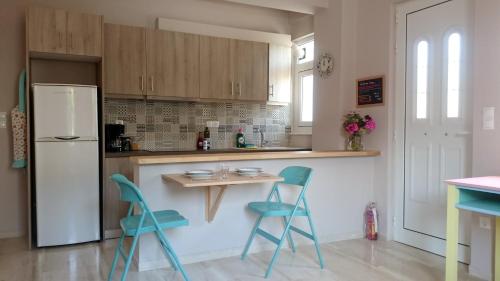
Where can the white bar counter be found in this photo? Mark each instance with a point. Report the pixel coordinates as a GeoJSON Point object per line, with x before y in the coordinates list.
{"type": "Point", "coordinates": [341, 186]}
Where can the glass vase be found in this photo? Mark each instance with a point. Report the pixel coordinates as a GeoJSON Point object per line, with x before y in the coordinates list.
{"type": "Point", "coordinates": [354, 143]}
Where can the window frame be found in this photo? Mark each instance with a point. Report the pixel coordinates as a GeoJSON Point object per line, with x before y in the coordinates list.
{"type": "Point", "coordinates": [299, 127]}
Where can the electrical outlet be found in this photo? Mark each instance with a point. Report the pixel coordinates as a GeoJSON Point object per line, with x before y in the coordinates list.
{"type": "Point", "coordinates": [485, 222]}
{"type": "Point", "coordinates": [213, 124]}
{"type": "Point", "coordinates": [3, 120]}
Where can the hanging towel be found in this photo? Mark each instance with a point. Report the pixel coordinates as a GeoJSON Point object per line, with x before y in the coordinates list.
{"type": "Point", "coordinates": [18, 115]}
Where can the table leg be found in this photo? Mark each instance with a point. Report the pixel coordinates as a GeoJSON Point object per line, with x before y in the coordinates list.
{"type": "Point", "coordinates": [452, 235]}
{"type": "Point", "coordinates": [497, 249]}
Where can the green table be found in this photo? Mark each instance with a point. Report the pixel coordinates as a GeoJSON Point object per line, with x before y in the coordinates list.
{"type": "Point", "coordinates": [480, 195]}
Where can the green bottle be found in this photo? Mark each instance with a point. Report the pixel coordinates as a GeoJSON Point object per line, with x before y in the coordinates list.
{"type": "Point", "coordinates": [240, 139]}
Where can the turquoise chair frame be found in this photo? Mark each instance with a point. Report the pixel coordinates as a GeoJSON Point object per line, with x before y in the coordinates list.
{"type": "Point", "coordinates": [293, 176]}
{"type": "Point", "coordinates": [146, 222]}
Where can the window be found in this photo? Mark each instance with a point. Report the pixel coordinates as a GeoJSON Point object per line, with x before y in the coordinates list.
{"type": "Point", "coordinates": [422, 78]}
{"type": "Point", "coordinates": [453, 88]}
{"type": "Point", "coordinates": [303, 85]}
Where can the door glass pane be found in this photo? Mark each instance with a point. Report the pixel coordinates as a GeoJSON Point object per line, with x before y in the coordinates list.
{"type": "Point", "coordinates": [306, 52]}
{"type": "Point", "coordinates": [306, 98]}
{"type": "Point", "coordinates": [454, 42]}
{"type": "Point", "coordinates": [422, 77]}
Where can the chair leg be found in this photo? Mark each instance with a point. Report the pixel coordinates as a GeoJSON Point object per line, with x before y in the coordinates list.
{"type": "Point", "coordinates": [167, 253]}
{"type": "Point", "coordinates": [170, 253]}
{"type": "Point", "coordinates": [277, 251]}
{"type": "Point", "coordinates": [250, 239]}
{"type": "Point", "coordinates": [115, 258]}
{"type": "Point", "coordinates": [289, 236]}
{"type": "Point", "coordinates": [316, 243]}
{"type": "Point", "coordinates": [130, 257]}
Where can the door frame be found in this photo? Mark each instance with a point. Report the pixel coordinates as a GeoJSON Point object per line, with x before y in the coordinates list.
{"type": "Point", "coordinates": [397, 146]}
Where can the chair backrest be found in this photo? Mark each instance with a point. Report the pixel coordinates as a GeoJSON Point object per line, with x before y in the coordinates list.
{"type": "Point", "coordinates": [128, 190]}
{"type": "Point", "coordinates": [296, 175]}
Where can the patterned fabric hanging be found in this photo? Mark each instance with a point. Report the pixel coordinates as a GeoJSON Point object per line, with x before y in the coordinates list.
{"type": "Point", "coordinates": [18, 115]}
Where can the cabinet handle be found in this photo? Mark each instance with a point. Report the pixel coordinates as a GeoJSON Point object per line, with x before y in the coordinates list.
{"type": "Point", "coordinates": [239, 89]}
{"type": "Point", "coordinates": [60, 39]}
{"type": "Point", "coordinates": [71, 41]}
{"type": "Point", "coordinates": [232, 89]}
{"type": "Point", "coordinates": [142, 83]}
{"type": "Point", "coordinates": [152, 84]}
{"type": "Point", "coordinates": [271, 90]}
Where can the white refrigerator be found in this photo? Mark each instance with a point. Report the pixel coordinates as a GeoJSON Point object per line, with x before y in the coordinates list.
{"type": "Point", "coordinates": [66, 164]}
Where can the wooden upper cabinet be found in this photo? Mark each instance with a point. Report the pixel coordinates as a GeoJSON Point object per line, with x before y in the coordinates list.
{"type": "Point", "coordinates": [251, 76]}
{"type": "Point", "coordinates": [47, 30]}
{"type": "Point", "coordinates": [216, 72]}
{"type": "Point", "coordinates": [280, 65]}
{"type": "Point", "coordinates": [173, 64]}
{"type": "Point", "coordinates": [84, 34]}
{"type": "Point", "coordinates": [125, 60]}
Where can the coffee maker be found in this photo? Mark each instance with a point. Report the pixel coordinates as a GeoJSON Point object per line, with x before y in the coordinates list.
{"type": "Point", "coordinates": [114, 134]}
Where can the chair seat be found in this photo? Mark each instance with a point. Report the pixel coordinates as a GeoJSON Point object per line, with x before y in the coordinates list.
{"type": "Point", "coordinates": [166, 219]}
{"type": "Point", "coordinates": [275, 209]}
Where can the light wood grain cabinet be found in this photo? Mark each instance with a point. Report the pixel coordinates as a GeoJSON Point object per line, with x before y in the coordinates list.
{"type": "Point", "coordinates": [114, 209]}
{"type": "Point", "coordinates": [233, 69]}
{"type": "Point", "coordinates": [46, 30]}
{"type": "Point", "coordinates": [173, 64]}
{"type": "Point", "coordinates": [280, 65]}
{"type": "Point", "coordinates": [56, 31]}
{"type": "Point", "coordinates": [216, 71]}
{"type": "Point", "coordinates": [251, 76]}
{"type": "Point", "coordinates": [84, 34]}
{"type": "Point", "coordinates": [124, 60]}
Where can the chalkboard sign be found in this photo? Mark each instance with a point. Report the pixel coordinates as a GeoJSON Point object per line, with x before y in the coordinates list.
{"type": "Point", "coordinates": [370, 91]}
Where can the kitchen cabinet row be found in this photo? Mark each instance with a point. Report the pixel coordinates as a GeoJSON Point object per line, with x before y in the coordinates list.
{"type": "Point", "coordinates": [142, 62]}
{"type": "Point", "coordinates": [159, 63]}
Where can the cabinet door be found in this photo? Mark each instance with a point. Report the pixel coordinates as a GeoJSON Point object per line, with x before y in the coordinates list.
{"type": "Point", "coordinates": [216, 73]}
{"type": "Point", "coordinates": [250, 61]}
{"type": "Point", "coordinates": [46, 30]}
{"type": "Point", "coordinates": [280, 65]}
{"type": "Point", "coordinates": [124, 60]}
{"type": "Point", "coordinates": [173, 64]}
{"type": "Point", "coordinates": [84, 34]}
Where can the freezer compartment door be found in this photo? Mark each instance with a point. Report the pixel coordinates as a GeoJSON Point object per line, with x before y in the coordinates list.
{"type": "Point", "coordinates": [67, 192]}
{"type": "Point", "coordinates": [65, 111]}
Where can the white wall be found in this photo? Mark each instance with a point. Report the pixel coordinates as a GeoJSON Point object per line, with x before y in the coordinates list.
{"type": "Point", "coordinates": [486, 148]}
{"type": "Point", "coordinates": [358, 33]}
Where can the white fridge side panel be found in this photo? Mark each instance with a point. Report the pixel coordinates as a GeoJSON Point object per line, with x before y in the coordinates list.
{"type": "Point", "coordinates": [67, 192]}
{"type": "Point", "coordinates": [61, 111]}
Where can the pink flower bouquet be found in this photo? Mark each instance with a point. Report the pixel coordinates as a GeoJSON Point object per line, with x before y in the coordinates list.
{"type": "Point", "coordinates": [356, 125]}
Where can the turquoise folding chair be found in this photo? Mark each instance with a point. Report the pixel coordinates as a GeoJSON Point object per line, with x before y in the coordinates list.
{"type": "Point", "coordinates": [294, 176]}
{"type": "Point", "coordinates": [146, 222]}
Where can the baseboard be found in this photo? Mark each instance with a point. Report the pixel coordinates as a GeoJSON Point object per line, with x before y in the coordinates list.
{"type": "Point", "coordinates": [5, 235]}
{"type": "Point", "coordinates": [256, 248]}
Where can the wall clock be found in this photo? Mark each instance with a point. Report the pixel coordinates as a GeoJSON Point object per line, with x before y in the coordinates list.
{"type": "Point", "coordinates": [324, 66]}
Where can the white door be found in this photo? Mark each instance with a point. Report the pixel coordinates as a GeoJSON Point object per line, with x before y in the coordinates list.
{"type": "Point", "coordinates": [437, 120]}
{"type": "Point", "coordinates": [65, 111]}
{"type": "Point", "coordinates": [67, 192]}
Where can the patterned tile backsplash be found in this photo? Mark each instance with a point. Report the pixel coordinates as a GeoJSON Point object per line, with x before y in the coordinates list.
{"type": "Point", "coordinates": [163, 125]}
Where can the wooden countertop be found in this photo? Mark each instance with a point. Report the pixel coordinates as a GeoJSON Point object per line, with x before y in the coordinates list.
{"type": "Point", "coordinates": [216, 157]}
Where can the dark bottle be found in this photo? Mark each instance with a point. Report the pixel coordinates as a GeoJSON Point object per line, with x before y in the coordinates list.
{"type": "Point", "coordinates": [206, 139]}
{"type": "Point", "coordinates": [199, 142]}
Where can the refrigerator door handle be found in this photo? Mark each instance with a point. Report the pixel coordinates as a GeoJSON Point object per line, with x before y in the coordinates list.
{"type": "Point", "coordinates": [67, 138]}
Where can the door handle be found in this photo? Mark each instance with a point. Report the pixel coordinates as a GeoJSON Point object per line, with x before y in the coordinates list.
{"type": "Point", "coordinates": [67, 138]}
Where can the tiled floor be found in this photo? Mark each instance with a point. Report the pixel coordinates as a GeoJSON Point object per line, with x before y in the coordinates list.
{"type": "Point", "coordinates": [347, 260]}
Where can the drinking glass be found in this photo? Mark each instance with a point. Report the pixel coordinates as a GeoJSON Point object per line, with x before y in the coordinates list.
{"type": "Point", "coordinates": [224, 171]}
